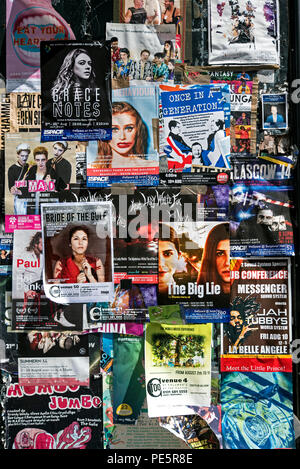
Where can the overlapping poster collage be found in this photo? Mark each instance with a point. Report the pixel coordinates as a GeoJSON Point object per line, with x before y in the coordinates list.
{"type": "Point", "coordinates": [147, 236]}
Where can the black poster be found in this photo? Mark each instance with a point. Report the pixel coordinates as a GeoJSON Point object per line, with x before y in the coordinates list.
{"type": "Point", "coordinates": [75, 84]}
{"type": "Point", "coordinates": [54, 417]}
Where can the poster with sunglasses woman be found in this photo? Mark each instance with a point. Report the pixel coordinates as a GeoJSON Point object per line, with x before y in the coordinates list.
{"type": "Point", "coordinates": [75, 83]}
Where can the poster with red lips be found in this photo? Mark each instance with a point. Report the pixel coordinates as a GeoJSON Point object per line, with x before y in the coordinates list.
{"type": "Point", "coordinates": [29, 22]}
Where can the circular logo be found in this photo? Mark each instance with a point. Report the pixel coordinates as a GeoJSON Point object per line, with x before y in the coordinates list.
{"type": "Point", "coordinates": [55, 291]}
{"type": "Point", "coordinates": [222, 178]}
{"type": "Point", "coordinates": [124, 409]}
{"type": "Point", "coordinates": [154, 388]}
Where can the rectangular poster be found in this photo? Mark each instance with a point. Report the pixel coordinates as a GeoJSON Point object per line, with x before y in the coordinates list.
{"type": "Point", "coordinates": [276, 149]}
{"type": "Point", "coordinates": [131, 155]}
{"type": "Point", "coordinates": [258, 335]}
{"type": "Point", "coordinates": [261, 211]}
{"type": "Point", "coordinates": [46, 358]}
{"type": "Point", "coordinates": [194, 269]}
{"type": "Point", "coordinates": [257, 411]}
{"type": "Point", "coordinates": [194, 127]}
{"type": "Point", "coordinates": [78, 252]}
{"type": "Point", "coordinates": [274, 111]}
{"type": "Point", "coordinates": [128, 378]}
{"type": "Point", "coordinates": [243, 32]}
{"type": "Point", "coordinates": [154, 12]}
{"type": "Point", "coordinates": [30, 307]}
{"type": "Point", "coordinates": [139, 51]}
{"type": "Point", "coordinates": [243, 100]}
{"type": "Point", "coordinates": [35, 172]}
{"type": "Point", "coordinates": [19, 112]}
{"type": "Point", "coordinates": [76, 90]}
{"type": "Point", "coordinates": [28, 23]}
{"type": "Point", "coordinates": [178, 366]}
{"type": "Point", "coordinates": [54, 417]}
{"type": "Point", "coordinates": [6, 248]}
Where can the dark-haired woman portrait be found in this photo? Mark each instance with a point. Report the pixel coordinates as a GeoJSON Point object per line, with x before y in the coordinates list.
{"type": "Point", "coordinates": [215, 263]}
{"type": "Point", "coordinates": [79, 267]}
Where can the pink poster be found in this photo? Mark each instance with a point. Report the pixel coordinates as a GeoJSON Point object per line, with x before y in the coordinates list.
{"type": "Point", "coordinates": [28, 23]}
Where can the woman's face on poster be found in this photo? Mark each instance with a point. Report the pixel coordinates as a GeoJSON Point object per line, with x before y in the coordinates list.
{"type": "Point", "coordinates": [57, 150]}
{"type": "Point", "coordinates": [41, 161]}
{"type": "Point", "coordinates": [79, 242]}
{"type": "Point", "coordinates": [82, 66]}
{"type": "Point", "coordinates": [223, 260]}
{"type": "Point", "coordinates": [124, 131]}
{"type": "Point", "coordinates": [168, 262]}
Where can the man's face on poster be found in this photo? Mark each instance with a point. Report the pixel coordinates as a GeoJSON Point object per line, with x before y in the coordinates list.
{"type": "Point", "coordinates": [114, 45]}
{"type": "Point", "coordinates": [236, 321]}
{"type": "Point", "coordinates": [144, 56]}
{"type": "Point", "coordinates": [196, 150]}
{"type": "Point", "coordinates": [39, 246]}
{"type": "Point", "coordinates": [22, 157]}
{"type": "Point", "coordinates": [278, 223]}
{"type": "Point", "coordinates": [177, 129]}
{"type": "Point", "coordinates": [237, 195]}
{"type": "Point", "coordinates": [265, 217]}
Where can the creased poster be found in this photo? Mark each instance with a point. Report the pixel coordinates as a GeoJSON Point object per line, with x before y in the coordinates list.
{"type": "Point", "coordinates": [261, 210]}
{"type": "Point", "coordinates": [128, 378]}
{"type": "Point", "coordinates": [8, 339]}
{"type": "Point", "coordinates": [194, 128]}
{"type": "Point", "coordinates": [139, 52]}
{"type": "Point", "coordinates": [258, 335]}
{"type": "Point", "coordinates": [76, 90]}
{"type": "Point", "coordinates": [78, 252]}
{"type": "Point", "coordinates": [244, 32]}
{"type": "Point", "coordinates": [34, 173]}
{"type": "Point", "coordinates": [28, 22]}
{"type": "Point", "coordinates": [276, 149]}
{"type": "Point", "coordinates": [131, 155]}
{"type": "Point", "coordinates": [60, 358]}
{"type": "Point", "coordinates": [257, 411]}
{"type": "Point", "coordinates": [19, 112]}
{"type": "Point", "coordinates": [178, 366]}
{"type": "Point", "coordinates": [30, 307]}
{"type": "Point", "coordinates": [79, 425]}
{"type": "Point", "coordinates": [243, 101]}
{"type": "Point", "coordinates": [193, 429]}
{"type": "Point", "coordinates": [154, 12]}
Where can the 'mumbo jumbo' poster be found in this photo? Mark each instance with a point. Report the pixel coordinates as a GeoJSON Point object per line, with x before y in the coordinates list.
{"type": "Point", "coordinates": [244, 32]}
{"type": "Point", "coordinates": [75, 84]}
{"type": "Point", "coordinates": [258, 334]}
{"type": "Point", "coordinates": [78, 263]}
{"type": "Point", "coordinates": [178, 366]}
{"type": "Point", "coordinates": [79, 425]}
